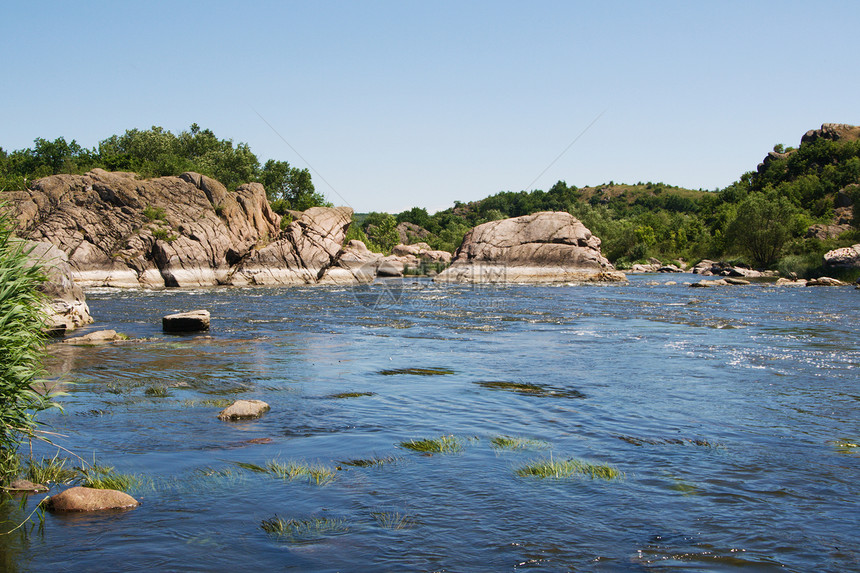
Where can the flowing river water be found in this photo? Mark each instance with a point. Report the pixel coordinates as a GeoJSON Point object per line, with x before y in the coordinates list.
{"type": "Point", "coordinates": [732, 412]}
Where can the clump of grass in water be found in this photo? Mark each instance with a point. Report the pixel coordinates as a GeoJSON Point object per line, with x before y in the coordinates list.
{"type": "Point", "coordinates": [369, 462]}
{"type": "Point", "coordinates": [568, 468]}
{"type": "Point", "coordinates": [303, 529]}
{"type": "Point", "coordinates": [393, 520]}
{"type": "Point", "coordinates": [440, 445]}
{"type": "Point", "coordinates": [157, 391]}
{"type": "Point", "coordinates": [104, 477]}
{"type": "Point", "coordinates": [342, 395]}
{"type": "Point", "coordinates": [314, 473]}
{"type": "Point", "coordinates": [509, 443]}
{"type": "Point", "coordinates": [847, 446]}
{"type": "Point", "coordinates": [50, 470]}
{"type": "Point", "coordinates": [209, 402]}
{"type": "Point", "coordinates": [417, 371]}
{"type": "Point", "coordinates": [527, 389]}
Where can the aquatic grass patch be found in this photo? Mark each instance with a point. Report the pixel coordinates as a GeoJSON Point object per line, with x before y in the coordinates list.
{"type": "Point", "coordinates": [369, 462]}
{"type": "Point", "coordinates": [847, 446]}
{"type": "Point", "coordinates": [50, 470]}
{"type": "Point", "coordinates": [440, 445]}
{"type": "Point", "coordinates": [207, 402]}
{"type": "Point", "coordinates": [517, 443]}
{"type": "Point", "coordinates": [417, 372]}
{"type": "Point", "coordinates": [309, 529]}
{"type": "Point", "coordinates": [157, 391]}
{"type": "Point", "coordinates": [104, 477]}
{"type": "Point", "coordinates": [393, 520]}
{"type": "Point", "coordinates": [529, 389]}
{"type": "Point", "coordinates": [669, 442]}
{"type": "Point", "coordinates": [316, 474]}
{"type": "Point", "coordinates": [343, 395]}
{"type": "Point", "coordinates": [572, 467]}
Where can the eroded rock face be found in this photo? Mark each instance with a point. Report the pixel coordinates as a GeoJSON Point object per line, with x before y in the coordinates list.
{"type": "Point", "coordinates": [67, 308]}
{"type": "Point", "coordinates": [118, 230]}
{"type": "Point", "coordinates": [89, 499]}
{"type": "Point", "coordinates": [542, 247]}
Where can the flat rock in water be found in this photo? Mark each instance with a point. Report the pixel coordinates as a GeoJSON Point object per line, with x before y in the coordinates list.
{"type": "Point", "coordinates": [824, 281]}
{"type": "Point", "coordinates": [89, 499]}
{"type": "Point", "coordinates": [25, 486]}
{"type": "Point", "coordinates": [734, 281]}
{"type": "Point", "coordinates": [192, 321]}
{"type": "Point", "coordinates": [244, 410]}
{"type": "Point", "coordinates": [98, 337]}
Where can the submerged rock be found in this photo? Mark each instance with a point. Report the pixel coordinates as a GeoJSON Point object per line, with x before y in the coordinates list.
{"type": "Point", "coordinates": [98, 337]}
{"type": "Point", "coordinates": [89, 499]}
{"type": "Point", "coordinates": [542, 247]}
{"type": "Point", "coordinates": [192, 321]}
{"type": "Point", "coordinates": [244, 410]}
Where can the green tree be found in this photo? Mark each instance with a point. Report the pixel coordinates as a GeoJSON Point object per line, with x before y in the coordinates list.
{"type": "Point", "coordinates": [763, 225]}
{"type": "Point", "coordinates": [289, 187]}
{"type": "Point", "coordinates": [21, 347]}
{"type": "Point", "coordinates": [381, 229]}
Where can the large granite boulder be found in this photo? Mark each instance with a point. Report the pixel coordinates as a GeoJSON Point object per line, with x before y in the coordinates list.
{"type": "Point", "coordinates": [355, 264]}
{"type": "Point", "coordinates": [67, 306]}
{"type": "Point", "coordinates": [844, 258]}
{"type": "Point", "coordinates": [118, 230]}
{"type": "Point", "coordinates": [88, 499]}
{"type": "Point", "coordinates": [542, 247]}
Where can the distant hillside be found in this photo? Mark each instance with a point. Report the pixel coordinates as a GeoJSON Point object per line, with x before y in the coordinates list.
{"type": "Point", "coordinates": [794, 207]}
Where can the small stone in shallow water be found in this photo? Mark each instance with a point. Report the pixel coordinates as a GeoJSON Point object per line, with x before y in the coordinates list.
{"type": "Point", "coordinates": [89, 499]}
{"type": "Point", "coordinates": [192, 321]}
{"type": "Point", "coordinates": [244, 410]}
{"type": "Point", "coordinates": [25, 486]}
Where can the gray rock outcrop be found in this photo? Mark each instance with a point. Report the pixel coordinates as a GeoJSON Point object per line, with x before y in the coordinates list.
{"type": "Point", "coordinates": [118, 230]}
{"type": "Point", "coordinates": [542, 247]}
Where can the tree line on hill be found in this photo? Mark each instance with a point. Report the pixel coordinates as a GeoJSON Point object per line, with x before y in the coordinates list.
{"type": "Point", "coordinates": [761, 219]}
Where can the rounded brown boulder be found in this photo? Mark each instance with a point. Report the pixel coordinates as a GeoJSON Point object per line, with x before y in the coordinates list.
{"type": "Point", "coordinates": [244, 410]}
{"type": "Point", "coordinates": [89, 499]}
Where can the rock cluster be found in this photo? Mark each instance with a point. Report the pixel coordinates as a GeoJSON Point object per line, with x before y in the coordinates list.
{"type": "Point", "coordinates": [118, 230]}
{"type": "Point", "coordinates": [542, 247]}
{"type": "Point", "coordinates": [713, 268]}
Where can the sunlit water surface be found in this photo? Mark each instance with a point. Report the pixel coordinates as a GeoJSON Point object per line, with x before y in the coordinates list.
{"type": "Point", "coordinates": [727, 410]}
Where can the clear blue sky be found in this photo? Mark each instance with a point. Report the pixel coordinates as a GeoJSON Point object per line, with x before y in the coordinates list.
{"type": "Point", "coordinates": [394, 104]}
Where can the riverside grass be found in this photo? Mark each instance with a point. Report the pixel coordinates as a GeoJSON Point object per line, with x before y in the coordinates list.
{"type": "Point", "coordinates": [22, 339]}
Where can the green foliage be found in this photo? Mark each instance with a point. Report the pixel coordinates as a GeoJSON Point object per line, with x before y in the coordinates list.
{"type": "Point", "coordinates": [763, 225]}
{"type": "Point", "coordinates": [289, 188]}
{"type": "Point", "coordinates": [21, 347]}
{"type": "Point", "coordinates": [381, 229]}
{"type": "Point", "coordinates": [154, 213]}
{"type": "Point", "coordinates": [296, 530]}
{"type": "Point", "coordinates": [157, 152]}
{"type": "Point", "coordinates": [104, 477]}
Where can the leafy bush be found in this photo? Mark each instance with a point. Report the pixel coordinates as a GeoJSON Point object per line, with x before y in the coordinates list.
{"type": "Point", "coordinates": [21, 341]}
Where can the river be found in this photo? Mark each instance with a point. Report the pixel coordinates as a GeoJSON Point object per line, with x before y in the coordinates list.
{"type": "Point", "coordinates": [731, 414]}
